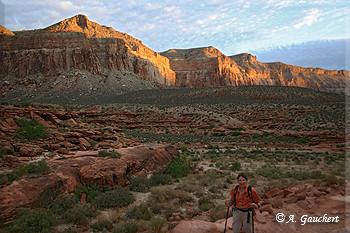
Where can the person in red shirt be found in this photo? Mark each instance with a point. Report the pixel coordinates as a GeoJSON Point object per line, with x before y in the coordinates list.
{"type": "Point", "coordinates": [244, 200]}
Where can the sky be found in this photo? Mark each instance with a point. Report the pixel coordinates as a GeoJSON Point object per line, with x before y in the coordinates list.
{"type": "Point", "coordinates": [309, 33]}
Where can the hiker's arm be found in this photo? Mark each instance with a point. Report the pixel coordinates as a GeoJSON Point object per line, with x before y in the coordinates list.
{"type": "Point", "coordinates": [255, 205]}
{"type": "Point", "coordinates": [230, 202]}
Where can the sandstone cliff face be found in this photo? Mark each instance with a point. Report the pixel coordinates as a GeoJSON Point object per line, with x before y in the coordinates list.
{"type": "Point", "coordinates": [78, 44]}
{"type": "Point", "coordinates": [204, 67]}
{"type": "Point", "coordinates": [77, 51]}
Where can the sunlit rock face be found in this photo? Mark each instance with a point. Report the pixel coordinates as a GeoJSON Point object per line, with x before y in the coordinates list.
{"type": "Point", "coordinates": [77, 49]}
{"type": "Point", "coordinates": [205, 67]}
{"type": "Point", "coordinates": [79, 44]}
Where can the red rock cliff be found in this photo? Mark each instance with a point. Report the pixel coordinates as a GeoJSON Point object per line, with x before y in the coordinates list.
{"type": "Point", "coordinates": [77, 43]}
{"type": "Point", "coordinates": [204, 67]}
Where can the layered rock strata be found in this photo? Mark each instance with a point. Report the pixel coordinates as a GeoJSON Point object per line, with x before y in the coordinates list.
{"type": "Point", "coordinates": [78, 44]}
{"type": "Point", "coordinates": [68, 173]}
{"type": "Point", "coordinates": [206, 67]}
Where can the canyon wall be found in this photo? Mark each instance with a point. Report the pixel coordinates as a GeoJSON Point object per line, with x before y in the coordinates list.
{"type": "Point", "coordinates": [78, 44]}
{"type": "Point", "coordinates": [205, 67]}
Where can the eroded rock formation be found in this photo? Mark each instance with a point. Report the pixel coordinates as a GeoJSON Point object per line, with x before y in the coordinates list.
{"type": "Point", "coordinates": [79, 44]}
{"type": "Point", "coordinates": [77, 54]}
{"type": "Point", "coordinates": [205, 67]}
{"type": "Point", "coordinates": [82, 167]}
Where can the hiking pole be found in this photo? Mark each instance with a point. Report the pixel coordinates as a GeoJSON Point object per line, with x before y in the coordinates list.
{"type": "Point", "coordinates": [228, 209]}
{"type": "Point", "coordinates": [253, 222]}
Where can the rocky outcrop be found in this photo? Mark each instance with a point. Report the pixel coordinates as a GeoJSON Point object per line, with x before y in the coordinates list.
{"type": "Point", "coordinates": [5, 31]}
{"type": "Point", "coordinates": [140, 160]}
{"type": "Point", "coordinates": [77, 51]}
{"type": "Point", "coordinates": [205, 67]}
{"type": "Point", "coordinates": [79, 44]}
{"type": "Point", "coordinates": [82, 168]}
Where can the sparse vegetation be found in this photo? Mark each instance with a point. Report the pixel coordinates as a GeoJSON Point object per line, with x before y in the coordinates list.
{"type": "Point", "coordinates": [202, 125]}
{"type": "Point", "coordinates": [33, 169]}
{"type": "Point", "coordinates": [31, 130]}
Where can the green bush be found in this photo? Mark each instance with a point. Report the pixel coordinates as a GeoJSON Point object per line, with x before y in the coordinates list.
{"type": "Point", "coordinates": [63, 203]}
{"type": "Point", "coordinates": [206, 203]}
{"type": "Point", "coordinates": [139, 184]}
{"type": "Point", "coordinates": [158, 179]}
{"type": "Point", "coordinates": [119, 197]}
{"type": "Point", "coordinates": [235, 166]}
{"type": "Point", "coordinates": [179, 167]}
{"type": "Point", "coordinates": [127, 227]}
{"type": "Point", "coordinates": [112, 154]}
{"type": "Point", "coordinates": [156, 224]}
{"type": "Point", "coordinates": [80, 214]}
{"type": "Point", "coordinates": [31, 130]}
{"type": "Point", "coordinates": [139, 212]}
{"type": "Point", "coordinates": [99, 226]}
{"type": "Point", "coordinates": [91, 192]}
{"type": "Point", "coordinates": [32, 220]}
{"type": "Point", "coordinates": [218, 212]}
{"type": "Point", "coordinates": [183, 149]}
{"type": "Point", "coordinates": [37, 168]}
{"type": "Point", "coordinates": [304, 139]}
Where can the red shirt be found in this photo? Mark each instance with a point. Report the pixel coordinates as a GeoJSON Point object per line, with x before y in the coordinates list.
{"type": "Point", "coordinates": [243, 200]}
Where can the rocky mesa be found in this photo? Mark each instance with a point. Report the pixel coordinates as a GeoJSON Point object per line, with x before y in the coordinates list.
{"type": "Point", "coordinates": [77, 54]}
{"type": "Point", "coordinates": [41, 56]}
{"type": "Point", "coordinates": [204, 67]}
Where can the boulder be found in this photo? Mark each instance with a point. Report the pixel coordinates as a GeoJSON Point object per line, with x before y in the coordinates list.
{"type": "Point", "coordinates": [134, 160]}
{"type": "Point", "coordinates": [30, 151]}
{"type": "Point", "coordinates": [39, 192]}
{"type": "Point", "coordinates": [273, 193]}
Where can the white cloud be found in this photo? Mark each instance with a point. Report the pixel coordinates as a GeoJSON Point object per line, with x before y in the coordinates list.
{"type": "Point", "coordinates": [312, 17]}
{"type": "Point", "coordinates": [150, 6]}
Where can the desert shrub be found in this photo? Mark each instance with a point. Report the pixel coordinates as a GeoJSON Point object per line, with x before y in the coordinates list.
{"type": "Point", "coordinates": [158, 179]}
{"type": "Point", "coordinates": [235, 166]}
{"type": "Point", "coordinates": [80, 214]}
{"type": "Point", "coordinates": [91, 192]}
{"type": "Point", "coordinates": [126, 227]}
{"type": "Point", "coordinates": [218, 212]}
{"type": "Point", "coordinates": [40, 167]}
{"type": "Point", "coordinates": [119, 197]}
{"type": "Point", "coordinates": [183, 149]}
{"type": "Point", "coordinates": [112, 154]}
{"type": "Point", "coordinates": [176, 196]}
{"type": "Point", "coordinates": [156, 224]}
{"type": "Point", "coordinates": [205, 203]}
{"type": "Point", "coordinates": [207, 179]}
{"type": "Point", "coordinates": [331, 180]}
{"type": "Point", "coordinates": [304, 139]}
{"type": "Point", "coordinates": [3, 154]}
{"type": "Point", "coordinates": [101, 225]}
{"type": "Point", "coordinates": [139, 184]}
{"type": "Point", "coordinates": [31, 130]}
{"type": "Point", "coordinates": [63, 203]}
{"type": "Point", "coordinates": [179, 167]}
{"type": "Point", "coordinates": [139, 212]}
{"type": "Point", "coordinates": [270, 171]}
{"type": "Point", "coordinates": [32, 220]}
{"type": "Point", "coordinates": [190, 185]}
{"type": "Point", "coordinates": [35, 168]}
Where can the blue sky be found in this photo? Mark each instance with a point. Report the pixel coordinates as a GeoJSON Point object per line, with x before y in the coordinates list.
{"type": "Point", "coordinates": [298, 32]}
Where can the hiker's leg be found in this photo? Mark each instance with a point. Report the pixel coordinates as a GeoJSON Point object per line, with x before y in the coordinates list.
{"type": "Point", "coordinates": [237, 221]}
{"type": "Point", "coordinates": [247, 227]}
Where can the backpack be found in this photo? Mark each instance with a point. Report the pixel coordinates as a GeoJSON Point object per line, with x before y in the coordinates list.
{"type": "Point", "coordinates": [250, 196]}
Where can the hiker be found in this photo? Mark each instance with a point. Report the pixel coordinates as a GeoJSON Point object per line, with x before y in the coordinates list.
{"type": "Point", "coordinates": [244, 200]}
